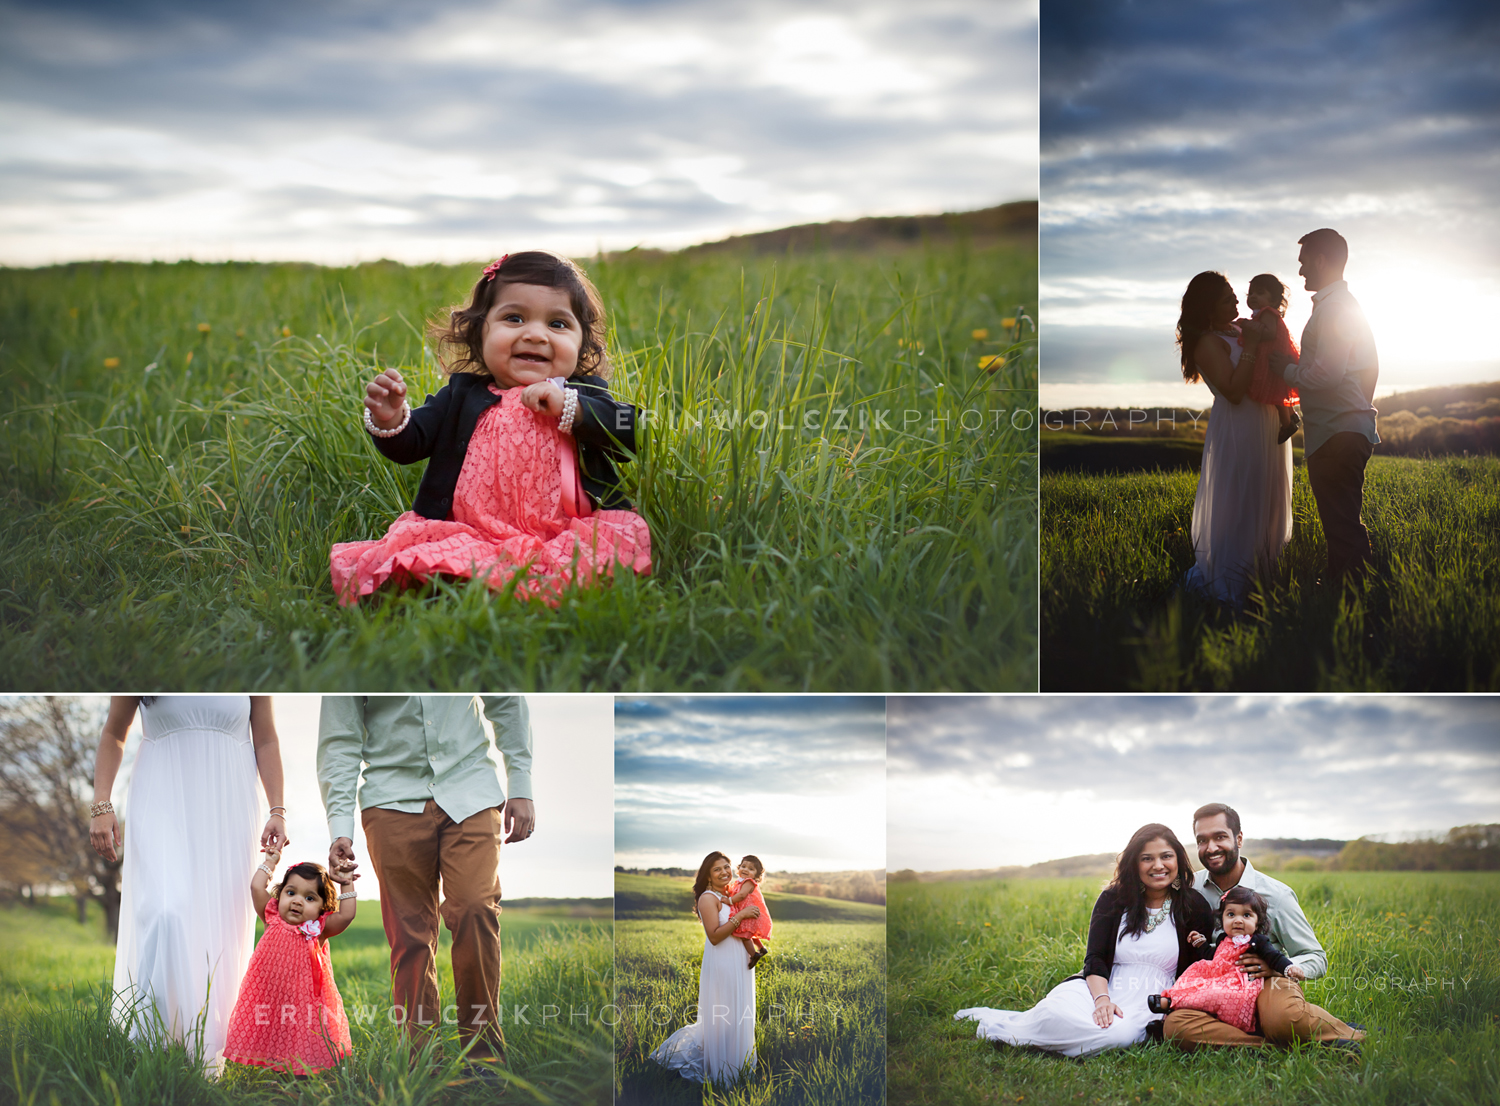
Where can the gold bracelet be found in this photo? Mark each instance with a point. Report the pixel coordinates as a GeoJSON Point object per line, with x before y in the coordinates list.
{"type": "Point", "coordinates": [106, 807]}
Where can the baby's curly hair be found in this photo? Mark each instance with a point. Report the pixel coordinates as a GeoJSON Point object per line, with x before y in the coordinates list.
{"type": "Point", "coordinates": [1271, 285]}
{"type": "Point", "coordinates": [1243, 896]}
{"type": "Point", "coordinates": [754, 862]}
{"type": "Point", "coordinates": [313, 873]}
{"type": "Point", "coordinates": [461, 338]}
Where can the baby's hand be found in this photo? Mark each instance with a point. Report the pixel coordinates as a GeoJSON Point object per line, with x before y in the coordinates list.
{"type": "Point", "coordinates": [543, 397]}
{"type": "Point", "coordinates": [1295, 973]}
{"type": "Point", "coordinates": [385, 396]}
{"type": "Point", "coordinates": [1195, 938]}
{"type": "Point", "coordinates": [273, 856]}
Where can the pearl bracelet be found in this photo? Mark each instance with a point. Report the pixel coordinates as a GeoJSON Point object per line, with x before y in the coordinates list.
{"type": "Point", "coordinates": [569, 411]}
{"type": "Point", "coordinates": [348, 895]}
{"type": "Point", "coordinates": [380, 432]}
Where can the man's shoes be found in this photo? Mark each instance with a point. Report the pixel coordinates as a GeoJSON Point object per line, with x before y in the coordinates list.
{"type": "Point", "coordinates": [486, 1075]}
{"type": "Point", "coordinates": [1289, 429]}
{"type": "Point", "coordinates": [1349, 1048]}
{"type": "Point", "coordinates": [1154, 1031]}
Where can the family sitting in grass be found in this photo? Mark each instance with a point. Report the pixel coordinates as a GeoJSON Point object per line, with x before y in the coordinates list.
{"type": "Point", "coordinates": [418, 772]}
{"type": "Point", "coordinates": [1211, 959]}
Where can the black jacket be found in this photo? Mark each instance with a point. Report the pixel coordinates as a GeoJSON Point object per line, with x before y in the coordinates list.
{"type": "Point", "coordinates": [440, 430]}
{"type": "Point", "coordinates": [1189, 912]}
{"type": "Point", "coordinates": [1264, 948]}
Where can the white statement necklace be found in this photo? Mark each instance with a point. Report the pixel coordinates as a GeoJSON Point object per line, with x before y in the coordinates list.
{"type": "Point", "coordinates": [1155, 917]}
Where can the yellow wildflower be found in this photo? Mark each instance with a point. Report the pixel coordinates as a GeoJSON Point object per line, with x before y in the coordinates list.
{"type": "Point", "coordinates": [991, 362]}
{"type": "Point", "coordinates": [286, 332]}
{"type": "Point", "coordinates": [111, 362]}
{"type": "Point", "coordinates": [204, 328]}
{"type": "Point", "coordinates": [188, 360]}
{"type": "Point", "coordinates": [72, 312]}
{"type": "Point", "coordinates": [980, 335]}
{"type": "Point", "coordinates": [1009, 323]}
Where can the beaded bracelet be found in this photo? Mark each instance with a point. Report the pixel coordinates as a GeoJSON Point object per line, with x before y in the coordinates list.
{"type": "Point", "coordinates": [380, 432]}
{"type": "Point", "coordinates": [106, 807]}
{"type": "Point", "coordinates": [348, 895]}
{"type": "Point", "coordinates": [569, 411]}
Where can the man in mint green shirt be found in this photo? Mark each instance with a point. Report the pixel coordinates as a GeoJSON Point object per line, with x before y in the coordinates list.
{"type": "Point", "coordinates": [434, 813]}
{"type": "Point", "coordinates": [1284, 1013]}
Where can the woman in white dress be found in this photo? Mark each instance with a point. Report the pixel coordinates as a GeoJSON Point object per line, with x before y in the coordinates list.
{"type": "Point", "coordinates": [1137, 946]}
{"type": "Point", "coordinates": [720, 1046]}
{"type": "Point", "coordinates": [186, 923]}
{"type": "Point", "coordinates": [1242, 514]}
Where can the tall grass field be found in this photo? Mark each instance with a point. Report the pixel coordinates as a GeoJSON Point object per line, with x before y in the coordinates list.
{"type": "Point", "coordinates": [839, 475]}
{"type": "Point", "coordinates": [58, 1044]}
{"type": "Point", "coordinates": [820, 1000]}
{"type": "Point", "coordinates": [1414, 956]}
{"type": "Point", "coordinates": [1115, 547]}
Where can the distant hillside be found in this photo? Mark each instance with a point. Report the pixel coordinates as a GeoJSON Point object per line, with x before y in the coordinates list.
{"type": "Point", "coordinates": [670, 897]}
{"type": "Point", "coordinates": [1269, 854]}
{"type": "Point", "coordinates": [1005, 223]}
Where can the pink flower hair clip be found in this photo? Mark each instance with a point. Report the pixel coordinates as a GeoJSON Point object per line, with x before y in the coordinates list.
{"type": "Point", "coordinates": [493, 267]}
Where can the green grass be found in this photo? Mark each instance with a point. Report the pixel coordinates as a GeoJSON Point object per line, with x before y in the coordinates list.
{"type": "Point", "coordinates": [666, 897]}
{"type": "Point", "coordinates": [58, 1044]}
{"type": "Point", "coordinates": [820, 1013]}
{"type": "Point", "coordinates": [171, 527]}
{"type": "Point", "coordinates": [1414, 956]}
{"type": "Point", "coordinates": [1115, 547]}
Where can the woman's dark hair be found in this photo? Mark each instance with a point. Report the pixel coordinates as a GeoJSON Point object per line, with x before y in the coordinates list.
{"type": "Point", "coordinates": [1243, 896]}
{"type": "Point", "coordinates": [1203, 293]}
{"type": "Point", "coordinates": [328, 890]}
{"type": "Point", "coordinates": [1271, 285]}
{"type": "Point", "coordinates": [760, 869]}
{"type": "Point", "coordinates": [700, 883]}
{"type": "Point", "coordinates": [463, 335]}
{"type": "Point", "coordinates": [1127, 881]}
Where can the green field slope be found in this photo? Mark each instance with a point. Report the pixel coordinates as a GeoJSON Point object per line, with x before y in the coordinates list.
{"type": "Point", "coordinates": [669, 898]}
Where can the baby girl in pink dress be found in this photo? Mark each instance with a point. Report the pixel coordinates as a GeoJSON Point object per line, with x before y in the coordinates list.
{"type": "Point", "coordinates": [1267, 299]}
{"type": "Point", "coordinates": [289, 1015]}
{"type": "Point", "coordinates": [520, 489]}
{"type": "Point", "coordinates": [1219, 986]}
{"type": "Point", "coordinates": [752, 931]}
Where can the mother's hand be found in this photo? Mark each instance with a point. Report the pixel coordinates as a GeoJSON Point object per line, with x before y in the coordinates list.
{"type": "Point", "coordinates": [273, 838]}
{"type": "Point", "coordinates": [1105, 1012]}
{"type": "Point", "coordinates": [750, 912]}
{"type": "Point", "coordinates": [104, 835]}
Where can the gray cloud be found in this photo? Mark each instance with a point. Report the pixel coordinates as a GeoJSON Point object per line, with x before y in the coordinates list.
{"type": "Point", "coordinates": [614, 122]}
{"type": "Point", "coordinates": [1368, 763]}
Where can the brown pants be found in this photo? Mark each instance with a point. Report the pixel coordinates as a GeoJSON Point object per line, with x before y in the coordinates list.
{"type": "Point", "coordinates": [1336, 471]}
{"type": "Point", "coordinates": [1285, 1016]}
{"type": "Point", "coordinates": [410, 853]}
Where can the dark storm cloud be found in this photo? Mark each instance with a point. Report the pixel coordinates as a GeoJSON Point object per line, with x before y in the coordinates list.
{"type": "Point", "coordinates": [1180, 136]}
{"type": "Point", "coordinates": [1414, 762]}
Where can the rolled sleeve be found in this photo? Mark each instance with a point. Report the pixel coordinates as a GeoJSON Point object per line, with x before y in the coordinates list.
{"type": "Point", "coordinates": [341, 739]}
{"type": "Point", "coordinates": [511, 718]}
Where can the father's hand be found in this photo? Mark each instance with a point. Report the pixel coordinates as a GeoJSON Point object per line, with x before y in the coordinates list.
{"type": "Point", "coordinates": [341, 860]}
{"type": "Point", "coordinates": [517, 819]}
{"type": "Point", "coordinates": [1254, 966]}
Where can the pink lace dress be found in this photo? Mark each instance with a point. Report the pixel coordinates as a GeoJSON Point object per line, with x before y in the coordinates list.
{"type": "Point", "coordinates": [1220, 987]}
{"type": "Point", "coordinates": [289, 1015]}
{"type": "Point", "coordinates": [520, 519]}
{"type": "Point", "coordinates": [752, 927]}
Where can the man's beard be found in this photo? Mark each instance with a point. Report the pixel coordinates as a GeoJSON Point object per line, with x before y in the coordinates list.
{"type": "Point", "coordinates": [1228, 860]}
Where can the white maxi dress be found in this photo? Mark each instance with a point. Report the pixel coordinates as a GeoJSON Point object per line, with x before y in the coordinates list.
{"type": "Point", "coordinates": [720, 1046]}
{"type": "Point", "coordinates": [1242, 513]}
{"type": "Point", "coordinates": [1145, 964]}
{"type": "Point", "coordinates": [191, 825]}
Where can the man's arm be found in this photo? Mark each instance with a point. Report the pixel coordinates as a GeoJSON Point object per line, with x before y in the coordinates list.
{"type": "Point", "coordinates": [1332, 358]}
{"type": "Point", "coordinates": [341, 741]}
{"type": "Point", "coordinates": [512, 722]}
{"type": "Point", "coordinates": [1294, 933]}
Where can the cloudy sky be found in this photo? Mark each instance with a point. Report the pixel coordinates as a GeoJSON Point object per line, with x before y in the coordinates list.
{"type": "Point", "coordinates": [798, 781]}
{"type": "Point", "coordinates": [1178, 137]}
{"type": "Point", "coordinates": [567, 857]}
{"type": "Point", "coordinates": [455, 130]}
{"type": "Point", "coordinates": [990, 781]}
